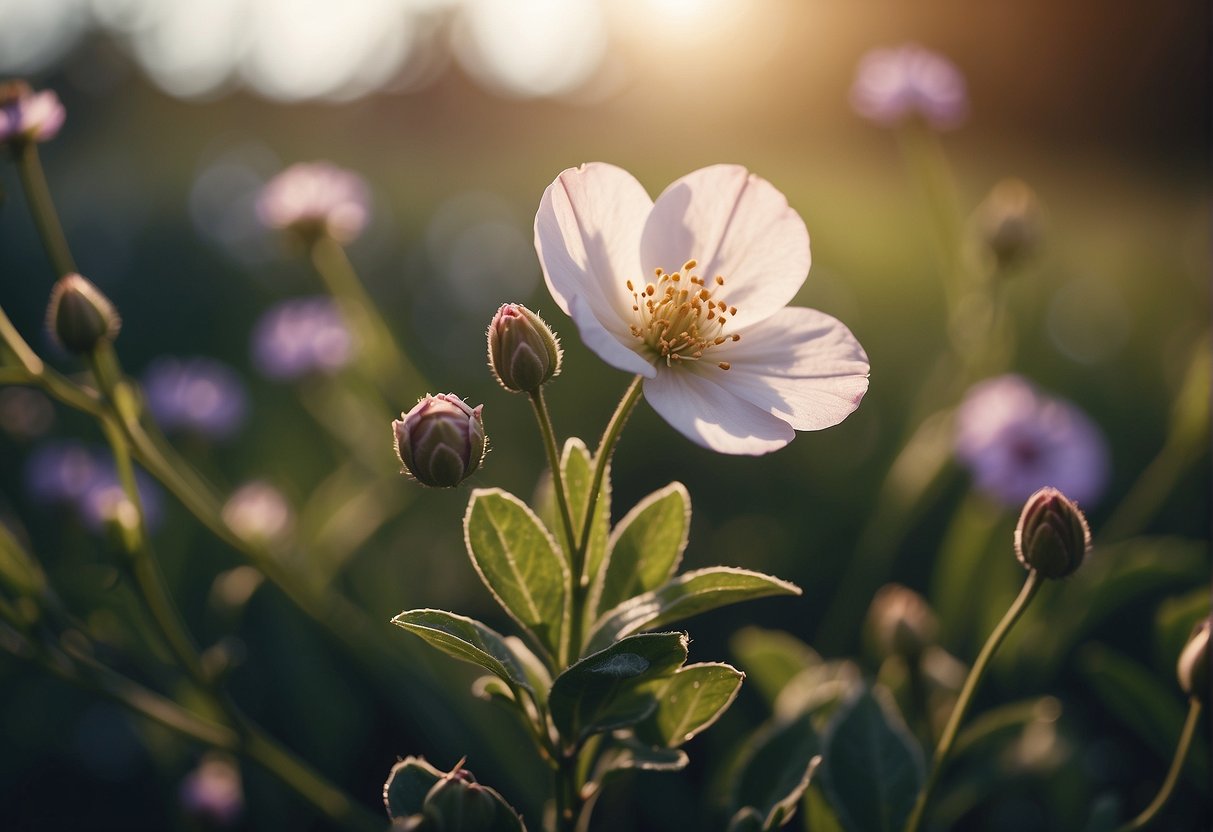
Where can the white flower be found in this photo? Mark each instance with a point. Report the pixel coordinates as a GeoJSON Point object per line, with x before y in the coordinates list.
{"type": "Point", "coordinates": [690, 291]}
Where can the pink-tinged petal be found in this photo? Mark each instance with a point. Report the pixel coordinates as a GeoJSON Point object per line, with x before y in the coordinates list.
{"type": "Point", "coordinates": [710, 415]}
{"type": "Point", "coordinates": [587, 234]}
{"type": "Point", "coordinates": [607, 345]}
{"type": "Point", "coordinates": [737, 225]}
{"type": "Point", "coordinates": [800, 365]}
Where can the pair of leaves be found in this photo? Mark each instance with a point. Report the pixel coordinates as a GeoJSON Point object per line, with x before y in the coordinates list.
{"type": "Point", "coordinates": [419, 796]}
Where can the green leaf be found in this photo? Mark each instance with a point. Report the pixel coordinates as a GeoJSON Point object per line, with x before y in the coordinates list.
{"type": "Point", "coordinates": [785, 809]}
{"type": "Point", "coordinates": [690, 701]}
{"type": "Point", "coordinates": [610, 689]}
{"type": "Point", "coordinates": [519, 563]}
{"type": "Point", "coordinates": [773, 764]}
{"type": "Point", "coordinates": [629, 754]}
{"type": "Point", "coordinates": [578, 466]}
{"type": "Point", "coordinates": [644, 549]}
{"type": "Point", "coordinates": [536, 671]}
{"type": "Point", "coordinates": [1152, 709]}
{"type": "Point", "coordinates": [771, 658]}
{"type": "Point", "coordinates": [407, 785]}
{"type": "Point", "coordinates": [682, 597]}
{"type": "Point", "coordinates": [747, 819]}
{"type": "Point", "coordinates": [873, 769]}
{"type": "Point", "coordinates": [467, 639]}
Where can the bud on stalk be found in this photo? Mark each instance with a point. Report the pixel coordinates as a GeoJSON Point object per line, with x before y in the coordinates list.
{"type": "Point", "coordinates": [524, 353]}
{"type": "Point", "coordinates": [1052, 537]}
{"type": "Point", "coordinates": [79, 316]}
{"type": "Point", "coordinates": [1193, 667]}
{"type": "Point", "coordinates": [441, 441]}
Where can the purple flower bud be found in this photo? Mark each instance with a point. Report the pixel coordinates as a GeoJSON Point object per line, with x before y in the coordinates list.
{"type": "Point", "coordinates": [213, 791]}
{"type": "Point", "coordinates": [892, 85]}
{"type": "Point", "coordinates": [79, 316]}
{"type": "Point", "coordinates": [316, 199]}
{"type": "Point", "coordinates": [1015, 439]}
{"type": "Point", "coordinates": [524, 353]}
{"type": "Point", "coordinates": [1052, 537]}
{"type": "Point", "coordinates": [301, 336]}
{"type": "Point", "coordinates": [901, 622]}
{"type": "Point", "coordinates": [70, 474]}
{"type": "Point", "coordinates": [26, 115]}
{"type": "Point", "coordinates": [441, 440]}
{"type": "Point", "coordinates": [1193, 667]}
{"type": "Point", "coordinates": [196, 395]}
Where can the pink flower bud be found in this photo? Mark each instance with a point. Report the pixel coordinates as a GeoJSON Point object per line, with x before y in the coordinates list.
{"type": "Point", "coordinates": [79, 316]}
{"type": "Point", "coordinates": [1052, 536]}
{"type": "Point", "coordinates": [524, 353]}
{"type": "Point", "coordinates": [28, 116]}
{"type": "Point", "coordinates": [441, 440]}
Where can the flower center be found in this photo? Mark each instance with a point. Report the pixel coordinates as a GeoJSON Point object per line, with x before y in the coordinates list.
{"type": "Point", "coordinates": [678, 315]}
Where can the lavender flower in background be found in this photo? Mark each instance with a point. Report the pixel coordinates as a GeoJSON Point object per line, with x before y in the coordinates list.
{"type": "Point", "coordinates": [892, 85]}
{"type": "Point", "coordinates": [1016, 439]}
{"type": "Point", "coordinates": [301, 336]}
{"type": "Point", "coordinates": [213, 791]}
{"type": "Point", "coordinates": [26, 115]}
{"type": "Point", "coordinates": [68, 473]}
{"type": "Point", "coordinates": [314, 199]}
{"type": "Point", "coordinates": [196, 395]}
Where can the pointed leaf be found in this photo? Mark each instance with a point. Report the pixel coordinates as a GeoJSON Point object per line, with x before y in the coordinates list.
{"type": "Point", "coordinates": [467, 639]}
{"type": "Point", "coordinates": [611, 688]}
{"type": "Point", "coordinates": [519, 563]}
{"type": "Point", "coordinates": [628, 754]}
{"type": "Point", "coordinates": [645, 547]}
{"type": "Point", "coordinates": [577, 464]}
{"type": "Point", "coordinates": [690, 701]}
{"type": "Point", "coordinates": [771, 658]}
{"type": "Point", "coordinates": [684, 596]}
{"type": "Point", "coordinates": [407, 785]}
{"type": "Point", "coordinates": [772, 765]}
{"type": "Point", "coordinates": [785, 809]}
{"type": "Point", "coordinates": [873, 768]}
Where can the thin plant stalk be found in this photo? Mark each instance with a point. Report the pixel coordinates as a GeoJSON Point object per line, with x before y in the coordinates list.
{"type": "Point", "coordinates": [946, 740]}
{"type": "Point", "coordinates": [42, 208]}
{"type": "Point", "coordinates": [1177, 763]}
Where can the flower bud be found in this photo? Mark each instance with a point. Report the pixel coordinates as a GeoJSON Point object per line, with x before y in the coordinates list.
{"type": "Point", "coordinates": [441, 440]}
{"type": "Point", "coordinates": [1193, 668]}
{"type": "Point", "coordinates": [901, 622]}
{"type": "Point", "coordinates": [1052, 536]}
{"type": "Point", "coordinates": [457, 803]}
{"type": "Point", "coordinates": [524, 353]}
{"type": "Point", "coordinates": [79, 316]}
{"type": "Point", "coordinates": [1008, 221]}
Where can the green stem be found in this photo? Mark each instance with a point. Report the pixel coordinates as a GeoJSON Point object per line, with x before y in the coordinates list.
{"type": "Point", "coordinates": [1177, 764]}
{"type": "Point", "coordinates": [602, 457]}
{"type": "Point", "coordinates": [254, 743]}
{"type": "Point", "coordinates": [1031, 585]}
{"type": "Point", "coordinates": [388, 363]}
{"type": "Point", "coordinates": [544, 419]}
{"type": "Point", "coordinates": [568, 795]}
{"type": "Point", "coordinates": [42, 208]}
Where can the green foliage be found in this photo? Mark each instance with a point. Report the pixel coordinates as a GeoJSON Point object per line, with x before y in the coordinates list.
{"type": "Point", "coordinates": [686, 595]}
{"type": "Point", "coordinates": [519, 563]}
{"type": "Point", "coordinates": [688, 702]}
{"type": "Point", "coordinates": [577, 468]}
{"type": "Point", "coordinates": [467, 639]}
{"type": "Point", "coordinates": [422, 798]}
{"type": "Point", "coordinates": [644, 548]}
{"type": "Point", "coordinates": [771, 658]}
{"type": "Point", "coordinates": [873, 768]}
{"type": "Point", "coordinates": [409, 781]}
{"type": "Point", "coordinates": [611, 688]}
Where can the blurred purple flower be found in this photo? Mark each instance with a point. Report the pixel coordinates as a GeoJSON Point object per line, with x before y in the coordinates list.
{"type": "Point", "coordinates": [26, 115]}
{"type": "Point", "coordinates": [213, 791]}
{"type": "Point", "coordinates": [894, 84]}
{"type": "Point", "coordinates": [68, 473]}
{"type": "Point", "coordinates": [316, 198]}
{"type": "Point", "coordinates": [1016, 439]}
{"type": "Point", "coordinates": [301, 336]}
{"type": "Point", "coordinates": [198, 395]}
